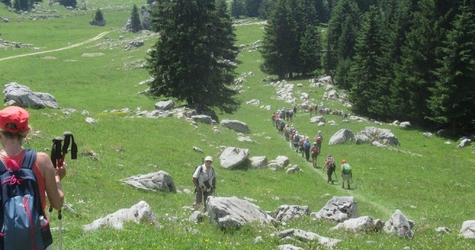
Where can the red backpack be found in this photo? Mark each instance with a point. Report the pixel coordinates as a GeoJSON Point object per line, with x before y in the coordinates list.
{"type": "Point", "coordinates": [318, 139]}
{"type": "Point", "coordinates": [314, 150]}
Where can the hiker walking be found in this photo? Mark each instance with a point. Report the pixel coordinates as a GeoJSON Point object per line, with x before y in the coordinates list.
{"type": "Point", "coordinates": [290, 115]}
{"type": "Point", "coordinates": [314, 151]}
{"type": "Point", "coordinates": [204, 179]}
{"type": "Point", "coordinates": [306, 148]}
{"type": "Point", "coordinates": [319, 140]}
{"type": "Point", "coordinates": [310, 109]}
{"type": "Point", "coordinates": [346, 173]}
{"type": "Point", "coordinates": [13, 130]}
{"type": "Point", "coordinates": [296, 141]}
{"type": "Point", "coordinates": [330, 166]}
{"type": "Point", "coordinates": [301, 145]}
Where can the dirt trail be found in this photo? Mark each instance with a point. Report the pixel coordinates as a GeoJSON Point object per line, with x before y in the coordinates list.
{"type": "Point", "coordinates": [64, 48]}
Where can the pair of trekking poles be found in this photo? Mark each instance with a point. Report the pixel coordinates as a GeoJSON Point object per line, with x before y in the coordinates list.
{"type": "Point", "coordinates": [58, 152]}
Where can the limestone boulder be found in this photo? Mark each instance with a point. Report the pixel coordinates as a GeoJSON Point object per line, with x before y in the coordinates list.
{"type": "Point", "coordinates": [232, 212]}
{"type": "Point", "coordinates": [399, 225]}
{"type": "Point", "coordinates": [236, 125]}
{"type": "Point", "coordinates": [21, 95]}
{"type": "Point", "coordinates": [159, 181]}
{"type": "Point", "coordinates": [341, 137]}
{"type": "Point", "coordinates": [138, 213]}
{"type": "Point", "coordinates": [338, 209]}
{"type": "Point", "coordinates": [233, 157]}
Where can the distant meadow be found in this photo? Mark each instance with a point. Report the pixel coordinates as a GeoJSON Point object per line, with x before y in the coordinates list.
{"type": "Point", "coordinates": [428, 178]}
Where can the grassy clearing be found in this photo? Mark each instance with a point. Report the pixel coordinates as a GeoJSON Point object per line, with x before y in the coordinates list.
{"type": "Point", "coordinates": [431, 183]}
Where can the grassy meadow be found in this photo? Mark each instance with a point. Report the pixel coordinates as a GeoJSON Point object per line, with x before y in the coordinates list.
{"type": "Point", "coordinates": [431, 182]}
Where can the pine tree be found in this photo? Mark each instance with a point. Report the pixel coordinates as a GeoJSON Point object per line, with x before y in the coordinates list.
{"type": "Point", "coordinates": [99, 17]}
{"type": "Point", "coordinates": [453, 95]}
{"type": "Point", "coordinates": [415, 76]}
{"type": "Point", "coordinates": [135, 20]}
{"type": "Point", "coordinates": [304, 18]}
{"type": "Point", "coordinates": [237, 8]}
{"type": "Point", "coordinates": [321, 8]}
{"type": "Point", "coordinates": [397, 22]}
{"type": "Point", "coordinates": [368, 94]}
{"type": "Point", "coordinates": [225, 32]}
{"type": "Point", "coordinates": [252, 7]}
{"type": "Point", "coordinates": [278, 38]}
{"type": "Point", "coordinates": [341, 39]}
{"type": "Point", "coordinates": [187, 62]}
{"type": "Point", "coordinates": [310, 51]}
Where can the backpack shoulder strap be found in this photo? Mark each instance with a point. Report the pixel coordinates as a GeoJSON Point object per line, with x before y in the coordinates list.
{"type": "Point", "coordinates": [29, 159]}
{"type": "Point", "coordinates": [3, 169]}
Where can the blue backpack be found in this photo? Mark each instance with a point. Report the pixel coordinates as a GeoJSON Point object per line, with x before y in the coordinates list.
{"type": "Point", "coordinates": [307, 145]}
{"type": "Point", "coordinates": [22, 219]}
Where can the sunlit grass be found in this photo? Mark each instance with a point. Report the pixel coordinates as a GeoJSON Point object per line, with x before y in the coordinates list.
{"type": "Point", "coordinates": [429, 181]}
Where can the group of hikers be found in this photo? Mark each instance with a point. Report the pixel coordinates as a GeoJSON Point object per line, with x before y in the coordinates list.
{"type": "Point", "coordinates": [310, 150]}
{"type": "Point", "coordinates": [204, 177]}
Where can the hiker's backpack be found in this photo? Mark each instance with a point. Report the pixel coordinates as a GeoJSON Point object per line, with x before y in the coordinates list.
{"type": "Point", "coordinates": [314, 150]}
{"type": "Point", "coordinates": [24, 224]}
{"type": "Point", "coordinates": [296, 138]}
{"type": "Point", "coordinates": [331, 166]}
{"type": "Point", "coordinates": [346, 168]}
{"type": "Point", "coordinates": [306, 145]}
{"type": "Point", "coordinates": [318, 139]}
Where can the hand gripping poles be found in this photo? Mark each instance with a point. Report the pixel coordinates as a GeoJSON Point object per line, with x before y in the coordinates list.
{"type": "Point", "coordinates": [58, 153]}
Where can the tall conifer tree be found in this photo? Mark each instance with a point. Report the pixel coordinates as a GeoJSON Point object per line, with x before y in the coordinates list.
{"type": "Point", "coordinates": [277, 41]}
{"type": "Point", "coordinates": [368, 94]}
{"type": "Point", "coordinates": [135, 19]}
{"type": "Point", "coordinates": [341, 39]}
{"type": "Point", "coordinates": [188, 60]}
{"type": "Point", "coordinates": [453, 95]}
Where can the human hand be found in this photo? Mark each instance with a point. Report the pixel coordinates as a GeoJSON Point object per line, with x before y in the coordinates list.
{"type": "Point", "coordinates": [61, 172]}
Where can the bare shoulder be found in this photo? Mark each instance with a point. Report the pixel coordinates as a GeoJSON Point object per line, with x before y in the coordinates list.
{"type": "Point", "coordinates": [43, 159]}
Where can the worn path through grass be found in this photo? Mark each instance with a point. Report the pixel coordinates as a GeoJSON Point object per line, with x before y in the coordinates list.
{"type": "Point", "coordinates": [55, 50]}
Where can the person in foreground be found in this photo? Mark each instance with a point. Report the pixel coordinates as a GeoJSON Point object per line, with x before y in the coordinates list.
{"type": "Point", "coordinates": [204, 179]}
{"type": "Point", "coordinates": [346, 173]}
{"type": "Point", "coordinates": [13, 130]}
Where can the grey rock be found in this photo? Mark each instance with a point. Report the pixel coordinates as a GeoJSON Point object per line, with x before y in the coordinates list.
{"type": "Point", "coordinates": [22, 96]}
{"type": "Point", "coordinates": [231, 212]}
{"type": "Point", "coordinates": [159, 181]}
{"type": "Point", "coordinates": [339, 209]}
{"type": "Point", "coordinates": [468, 229]}
{"type": "Point", "coordinates": [400, 225]}
{"type": "Point", "coordinates": [236, 125]}
{"type": "Point", "coordinates": [138, 213]}
{"type": "Point", "coordinates": [165, 105]}
{"type": "Point", "coordinates": [360, 224]}
{"type": "Point", "coordinates": [258, 161]}
{"type": "Point", "coordinates": [341, 137]}
{"type": "Point", "coordinates": [233, 157]}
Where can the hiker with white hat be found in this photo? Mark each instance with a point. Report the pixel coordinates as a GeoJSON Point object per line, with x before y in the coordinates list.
{"type": "Point", "coordinates": [204, 179]}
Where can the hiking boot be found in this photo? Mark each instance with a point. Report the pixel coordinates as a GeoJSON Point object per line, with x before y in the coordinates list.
{"type": "Point", "coordinates": [196, 206]}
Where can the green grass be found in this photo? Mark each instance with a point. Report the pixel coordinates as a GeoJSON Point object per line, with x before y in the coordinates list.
{"type": "Point", "coordinates": [432, 184]}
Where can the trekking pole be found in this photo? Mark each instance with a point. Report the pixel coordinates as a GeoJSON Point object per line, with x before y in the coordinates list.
{"type": "Point", "coordinates": [58, 153]}
{"type": "Point", "coordinates": [55, 156]}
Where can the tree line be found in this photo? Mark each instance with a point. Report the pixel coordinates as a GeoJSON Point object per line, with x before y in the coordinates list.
{"type": "Point", "coordinates": [397, 59]}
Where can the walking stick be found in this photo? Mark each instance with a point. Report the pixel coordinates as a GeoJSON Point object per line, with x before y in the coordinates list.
{"type": "Point", "coordinates": [55, 156]}
{"type": "Point", "coordinates": [58, 153]}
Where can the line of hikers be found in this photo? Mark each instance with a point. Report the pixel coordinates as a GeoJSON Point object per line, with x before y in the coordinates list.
{"type": "Point", "coordinates": [301, 144]}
